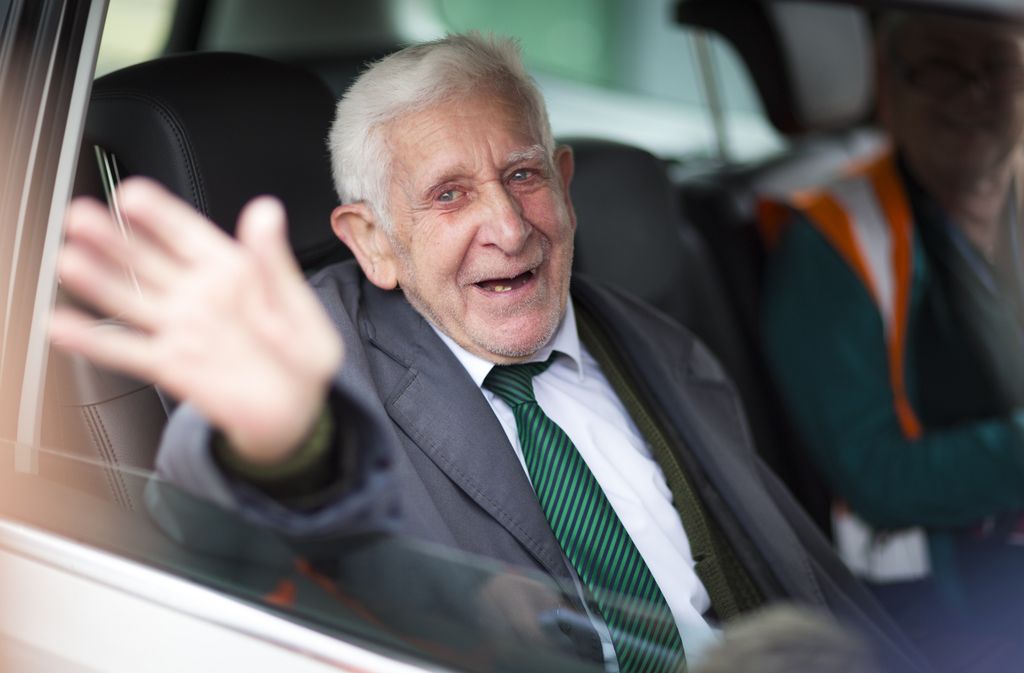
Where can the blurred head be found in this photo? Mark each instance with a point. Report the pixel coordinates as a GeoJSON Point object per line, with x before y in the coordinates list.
{"type": "Point", "coordinates": [453, 191]}
{"type": "Point", "coordinates": [785, 639]}
{"type": "Point", "coordinates": [951, 93]}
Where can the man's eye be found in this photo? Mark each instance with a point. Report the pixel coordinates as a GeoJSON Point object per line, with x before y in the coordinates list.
{"type": "Point", "coordinates": [521, 175]}
{"type": "Point", "coordinates": [449, 196]}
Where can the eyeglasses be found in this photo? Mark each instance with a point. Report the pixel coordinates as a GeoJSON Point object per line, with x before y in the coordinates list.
{"type": "Point", "coordinates": [941, 78]}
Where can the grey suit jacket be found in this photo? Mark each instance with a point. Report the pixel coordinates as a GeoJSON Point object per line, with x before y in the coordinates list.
{"type": "Point", "coordinates": [435, 464]}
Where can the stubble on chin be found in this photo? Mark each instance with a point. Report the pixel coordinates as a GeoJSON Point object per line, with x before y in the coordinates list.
{"type": "Point", "coordinates": [551, 306]}
{"type": "Point", "coordinates": [496, 341]}
{"type": "Point", "coordinates": [513, 349]}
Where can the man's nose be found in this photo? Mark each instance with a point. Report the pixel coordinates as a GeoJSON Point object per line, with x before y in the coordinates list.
{"type": "Point", "coordinates": [503, 224]}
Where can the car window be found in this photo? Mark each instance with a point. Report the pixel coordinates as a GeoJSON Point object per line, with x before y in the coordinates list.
{"type": "Point", "coordinates": [135, 30]}
{"type": "Point", "coordinates": [612, 69]}
{"type": "Point", "coordinates": [621, 70]}
{"type": "Point", "coordinates": [412, 601]}
{"type": "Point", "coordinates": [42, 97]}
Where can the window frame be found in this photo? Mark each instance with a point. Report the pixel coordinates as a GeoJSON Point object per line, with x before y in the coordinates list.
{"type": "Point", "coordinates": [46, 69]}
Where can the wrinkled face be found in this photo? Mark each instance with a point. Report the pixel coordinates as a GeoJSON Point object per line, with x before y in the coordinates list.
{"type": "Point", "coordinates": [482, 227]}
{"type": "Point", "coordinates": [954, 97]}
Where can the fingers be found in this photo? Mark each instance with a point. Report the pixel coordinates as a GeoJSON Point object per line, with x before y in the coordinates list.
{"type": "Point", "coordinates": [106, 344]}
{"type": "Point", "coordinates": [108, 289]}
{"type": "Point", "coordinates": [105, 268]}
{"type": "Point", "coordinates": [169, 221]}
{"type": "Point", "coordinates": [236, 329]}
{"type": "Point", "coordinates": [262, 230]}
{"type": "Point", "coordinates": [89, 226]}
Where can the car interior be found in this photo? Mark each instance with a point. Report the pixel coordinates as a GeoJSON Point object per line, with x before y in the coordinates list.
{"type": "Point", "coordinates": [219, 128]}
{"type": "Point", "coordinates": [231, 110]}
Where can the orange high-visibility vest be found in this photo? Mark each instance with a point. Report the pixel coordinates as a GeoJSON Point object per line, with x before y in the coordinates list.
{"type": "Point", "coordinates": [865, 215]}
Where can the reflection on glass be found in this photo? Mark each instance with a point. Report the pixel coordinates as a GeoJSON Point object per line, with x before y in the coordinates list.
{"type": "Point", "coordinates": [405, 598]}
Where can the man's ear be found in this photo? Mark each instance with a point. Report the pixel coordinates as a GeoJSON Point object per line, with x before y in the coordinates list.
{"type": "Point", "coordinates": [358, 228]}
{"type": "Point", "coordinates": [565, 165]}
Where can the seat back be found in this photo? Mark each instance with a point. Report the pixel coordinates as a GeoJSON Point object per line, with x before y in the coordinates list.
{"type": "Point", "coordinates": [793, 51]}
{"type": "Point", "coordinates": [216, 129]}
{"type": "Point", "coordinates": [630, 234]}
{"type": "Point", "coordinates": [723, 207]}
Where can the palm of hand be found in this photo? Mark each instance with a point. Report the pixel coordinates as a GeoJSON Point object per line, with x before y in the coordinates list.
{"type": "Point", "coordinates": [230, 326]}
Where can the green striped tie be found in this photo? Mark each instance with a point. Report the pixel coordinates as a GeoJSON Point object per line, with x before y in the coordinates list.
{"type": "Point", "coordinates": [595, 541]}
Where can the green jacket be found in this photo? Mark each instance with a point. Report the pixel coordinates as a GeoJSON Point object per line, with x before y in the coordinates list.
{"type": "Point", "coordinates": [824, 342]}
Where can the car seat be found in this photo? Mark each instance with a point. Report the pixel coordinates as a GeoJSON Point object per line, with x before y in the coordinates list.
{"type": "Point", "coordinates": [630, 234]}
{"type": "Point", "coordinates": [791, 50]}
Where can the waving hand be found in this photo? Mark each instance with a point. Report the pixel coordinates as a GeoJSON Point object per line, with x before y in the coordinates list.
{"type": "Point", "coordinates": [228, 325]}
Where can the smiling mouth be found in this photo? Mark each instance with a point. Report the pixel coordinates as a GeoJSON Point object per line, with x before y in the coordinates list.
{"type": "Point", "coordinates": [502, 285]}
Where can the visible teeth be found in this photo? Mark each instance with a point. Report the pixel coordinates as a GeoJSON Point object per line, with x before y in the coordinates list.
{"type": "Point", "coordinates": [502, 288]}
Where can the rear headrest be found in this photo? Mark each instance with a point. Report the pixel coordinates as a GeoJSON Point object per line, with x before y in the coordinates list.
{"type": "Point", "coordinates": [796, 52]}
{"type": "Point", "coordinates": [219, 129]}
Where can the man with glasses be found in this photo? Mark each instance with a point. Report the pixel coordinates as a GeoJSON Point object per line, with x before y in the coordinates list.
{"type": "Point", "coordinates": [894, 325]}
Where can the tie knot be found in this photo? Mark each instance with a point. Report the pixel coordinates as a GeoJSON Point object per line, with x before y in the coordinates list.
{"type": "Point", "coordinates": [514, 383]}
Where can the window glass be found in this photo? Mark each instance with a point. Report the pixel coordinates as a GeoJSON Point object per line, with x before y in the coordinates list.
{"type": "Point", "coordinates": [618, 69]}
{"type": "Point", "coordinates": [608, 68]}
{"type": "Point", "coordinates": [407, 599]}
{"type": "Point", "coordinates": [623, 70]}
{"type": "Point", "coordinates": [135, 30]}
{"type": "Point", "coordinates": [569, 38]}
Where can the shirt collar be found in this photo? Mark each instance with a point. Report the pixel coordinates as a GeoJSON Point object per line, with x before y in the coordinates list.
{"type": "Point", "coordinates": [566, 342]}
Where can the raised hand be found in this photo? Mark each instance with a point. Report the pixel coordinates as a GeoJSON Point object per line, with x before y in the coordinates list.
{"type": "Point", "coordinates": [228, 325]}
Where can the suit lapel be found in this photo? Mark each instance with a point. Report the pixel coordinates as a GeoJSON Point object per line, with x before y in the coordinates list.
{"type": "Point", "coordinates": [429, 394]}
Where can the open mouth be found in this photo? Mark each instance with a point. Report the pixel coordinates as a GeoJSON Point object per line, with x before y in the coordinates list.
{"type": "Point", "coordinates": [502, 285]}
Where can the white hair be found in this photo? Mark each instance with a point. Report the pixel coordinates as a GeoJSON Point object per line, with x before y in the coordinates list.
{"type": "Point", "coordinates": [414, 79]}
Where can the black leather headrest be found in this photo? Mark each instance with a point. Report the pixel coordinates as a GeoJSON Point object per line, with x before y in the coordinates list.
{"type": "Point", "coordinates": [627, 219]}
{"type": "Point", "coordinates": [630, 234]}
{"type": "Point", "coordinates": [219, 129]}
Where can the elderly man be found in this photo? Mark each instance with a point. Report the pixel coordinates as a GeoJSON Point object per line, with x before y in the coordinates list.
{"type": "Point", "coordinates": [449, 379]}
{"type": "Point", "coordinates": [893, 321]}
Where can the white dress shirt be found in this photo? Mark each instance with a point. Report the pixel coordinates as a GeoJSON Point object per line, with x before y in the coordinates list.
{"type": "Point", "coordinates": [575, 394]}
